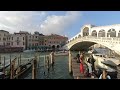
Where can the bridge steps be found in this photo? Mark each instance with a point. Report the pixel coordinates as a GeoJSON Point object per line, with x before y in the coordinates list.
{"type": "Point", "coordinates": [76, 70]}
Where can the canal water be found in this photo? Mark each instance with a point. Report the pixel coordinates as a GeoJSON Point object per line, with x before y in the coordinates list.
{"type": "Point", "coordinates": [60, 70]}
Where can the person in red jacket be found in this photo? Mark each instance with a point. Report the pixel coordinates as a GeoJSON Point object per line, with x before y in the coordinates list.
{"type": "Point", "coordinates": [81, 64]}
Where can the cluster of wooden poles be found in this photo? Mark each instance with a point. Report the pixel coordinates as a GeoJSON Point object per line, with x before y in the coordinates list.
{"type": "Point", "coordinates": [12, 65]}
{"type": "Point", "coordinates": [48, 62]}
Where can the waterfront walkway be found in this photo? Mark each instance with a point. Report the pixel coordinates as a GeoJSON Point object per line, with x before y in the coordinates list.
{"type": "Point", "coordinates": [76, 70]}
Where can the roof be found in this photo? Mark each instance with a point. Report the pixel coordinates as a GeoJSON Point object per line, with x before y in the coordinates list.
{"type": "Point", "coordinates": [4, 31]}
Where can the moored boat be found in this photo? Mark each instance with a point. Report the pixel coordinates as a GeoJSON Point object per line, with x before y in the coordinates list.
{"type": "Point", "coordinates": [61, 53]}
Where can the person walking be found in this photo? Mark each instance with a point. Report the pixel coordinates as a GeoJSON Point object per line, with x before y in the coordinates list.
{"type": "Point", "coordinates": [89, 67]}
{"type": "Point", "coordinates": [81, 64]}
{"type": "Point", "coordinates": [92, 61]}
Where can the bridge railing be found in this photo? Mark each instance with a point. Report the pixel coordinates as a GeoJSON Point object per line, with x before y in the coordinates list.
{"type": "Point", "coordinates": [116, 39]}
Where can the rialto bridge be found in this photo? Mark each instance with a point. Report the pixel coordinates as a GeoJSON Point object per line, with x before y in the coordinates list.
{"type": "Point", "coordinates": [108, 36]}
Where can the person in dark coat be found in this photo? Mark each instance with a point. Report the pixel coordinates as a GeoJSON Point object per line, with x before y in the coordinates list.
{"type": "Point", "coordinates": [92, 61]}
{"type": "Point", "coordinates": [78, 58]}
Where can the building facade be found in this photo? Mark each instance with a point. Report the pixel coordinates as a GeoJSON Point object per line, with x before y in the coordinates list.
{"type": "Point", "coordinates": [19, 39]}
{"type": "Point", "coordinates": [55, 41]}
{"type": "Point", "coordinates": [27, 41]}
{"type": "Point", "coordinates": [33, 41]}
{"type": "Point", "coordinates": [4, 37]}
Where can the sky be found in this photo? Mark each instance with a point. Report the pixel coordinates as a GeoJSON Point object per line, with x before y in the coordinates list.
{"type": "Point", "coordinates": [66, 23]}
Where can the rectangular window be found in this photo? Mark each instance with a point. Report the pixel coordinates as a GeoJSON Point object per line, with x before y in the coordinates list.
{"type": "Point", "coordinates": [12, 38]}
{"type": "Point", "coordinates": [17, 43]}
{"type": "Point", "coordinates": [36, 36]}
{"type": "Point", "coordinates": [12, 43]}
{"type": "Point", "coordinates": [4, 39]}
{"type": "Point", "coordinates": [29, 44]}
{"type": "Point", "coordinates": [23, 43]}
{"type": "Point", "coordinates": [23, 38]}
{"type": "Point", "coordinates": [4, 43]}
{"type": "Point", "coordinates": [17, 38]}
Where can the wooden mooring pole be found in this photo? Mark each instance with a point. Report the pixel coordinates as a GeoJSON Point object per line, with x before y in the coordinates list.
{"type": "Point", "coordinates": [4, 68]}
{"type": "Point", "coordinates": [48, 63]}
{"type": "Point", "coordinates": [70, 62]}
{"type": "Point", "coordinates": [52, 59]}
{"type": "Point", "coordinates": [12, 72]}
{"type": "Point", "coordinates": [34, 67]}
{"type": "Point", "coordinates": [0, 59]}
{"type": "Point", "coordinates": [10, 66]}
{"type": "Point", "coordinates": [20, 60]}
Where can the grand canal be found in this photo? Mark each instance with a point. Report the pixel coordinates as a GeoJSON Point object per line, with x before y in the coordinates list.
{"type": "Point", "coordinates": [60, 69]}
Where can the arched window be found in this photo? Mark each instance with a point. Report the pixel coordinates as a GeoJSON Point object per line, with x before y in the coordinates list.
{"type": "Point", "coordinates": [101, 33]}
{"type": "Point", "coordinates": [94, 33]}
{"type": "Point", "coordinates": [111, 33]}
{"type": "Point", "coordinates": [85, 31]}
{"type": "Point", "coordinates": [119, 33]}
{"type": "Point", "coordinates": [79, 36]}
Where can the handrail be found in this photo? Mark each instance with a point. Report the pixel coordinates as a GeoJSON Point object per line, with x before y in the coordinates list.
{"type": "Point", "coordinates": [101, 38]}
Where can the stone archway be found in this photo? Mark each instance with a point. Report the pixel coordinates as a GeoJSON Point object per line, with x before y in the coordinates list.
{"type": "Point", "coordinates": [53, 47]}
{"type": "Point", "coordinates": [94, 33]}
{"type": "Point", "coordinates": [58, 46]}
{"type": "Point", "coordinates": [101, 33]}
{"type": "Point", "coordinates": [111, 33]}
{"type": "Point", "coordinates": [85, 31]}
{"type": "Point", "coordinates": [119, 33]}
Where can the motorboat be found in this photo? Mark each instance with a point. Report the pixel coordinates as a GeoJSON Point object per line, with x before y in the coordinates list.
{"type": "Point", "coordinates": [61, 53]}
{"type": "Point", "coordinates": [28, 51]}
{"type": "Point", "coordinates": [102, 61]}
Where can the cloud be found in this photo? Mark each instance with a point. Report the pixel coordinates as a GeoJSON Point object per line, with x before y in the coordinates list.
{"type": "Point", "coordinates": [58, 24]}
{"type": "Point", "coordinates": [14, 21]}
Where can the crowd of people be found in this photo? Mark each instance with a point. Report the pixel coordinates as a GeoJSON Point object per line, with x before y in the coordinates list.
{"type": "Point", "coordinates": [90, 67]}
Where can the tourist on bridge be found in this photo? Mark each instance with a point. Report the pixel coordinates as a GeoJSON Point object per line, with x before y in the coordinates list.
{"type": "Point", "coordinates": [78, 58]}
{"type": "Point", "coordinates": [104, 75]}
{"type": "Point", "coordinates": [92, 61]}
{"type": "Point", "coordinates": [89, 67]}
{"type": "Point", "coordinates": [81, 64]}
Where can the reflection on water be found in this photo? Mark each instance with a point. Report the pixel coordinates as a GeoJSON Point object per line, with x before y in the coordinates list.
{"type": "Point", "coordinates": [60, 69]}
